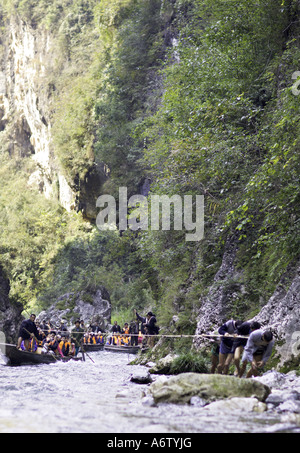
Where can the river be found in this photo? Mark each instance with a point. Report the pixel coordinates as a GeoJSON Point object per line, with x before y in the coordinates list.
{"type": "Point", "coordinates": [87, 397]}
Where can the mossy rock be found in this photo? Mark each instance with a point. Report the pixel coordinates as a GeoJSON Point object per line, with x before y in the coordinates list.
{"type": "Point", "coordinates": [210, 387]}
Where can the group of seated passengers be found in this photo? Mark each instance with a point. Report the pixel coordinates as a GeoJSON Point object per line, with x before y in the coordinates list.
{"type": "Point", "coordinates": [93, 338]}
{"type": "Point", "coordinates": [62, 345]}
{"type": "Point", "coordinates": [123, 337]}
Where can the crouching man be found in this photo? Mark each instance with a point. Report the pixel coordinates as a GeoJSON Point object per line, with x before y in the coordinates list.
{"type": "Point", "coordinates": [257, 351]}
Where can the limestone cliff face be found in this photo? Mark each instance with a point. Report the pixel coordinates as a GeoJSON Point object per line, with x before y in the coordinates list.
{"type": "Point", "coordinates": [10, 315]}
{"type": "Point", "coordinates": [281, 313]}
{"type": "Point", "coordinates": [25, 105]}
{"type": "Point", "coordinates": [27, 91]}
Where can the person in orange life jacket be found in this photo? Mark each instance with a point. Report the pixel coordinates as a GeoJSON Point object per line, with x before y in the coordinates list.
{"type": "Point", "coordinates": [32, 345]}
{"type": "Point", "coordinates": [116, 329]}
{"type": "Point", "coordinates": [53, 345]}
{"type": "Point", "coordinates": [28, 330]}
{"type": "Point", "coordinates": [116, 339]}
{"type": "Point", "coordinates": [229, 328]}
{"type": "Point", "coordinates": [125, 332]}
{"type": "Point", "coordinates": [100, 339]}
{"type": "Point", "coordinates": [87, 338]}
{"type": "Point", "coordinates": [64, 346]}
{"type": "Point", "coordinates": [112, 339]}
{"type": "Point", "coordinates": [92, 338]}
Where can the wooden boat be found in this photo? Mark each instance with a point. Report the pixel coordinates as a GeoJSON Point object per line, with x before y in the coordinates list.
{"type": "Point", "coordinates": [122, 348]}
{"type": "Point", "coordinates": [17, 357]}
{"type": "Point", "coordinates": [93, 347]}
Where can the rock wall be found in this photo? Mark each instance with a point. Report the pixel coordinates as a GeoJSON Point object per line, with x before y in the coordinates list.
{"type": "Point", "coordinates": [88, 307]}
{"type": "Point", "coordinates": [281, 313]}
{"type": "Point", "coordinates": [25, 105]}
{"type": "Point", "coordinates": [226, 288]}
{"type": "Point", "coordinates": [10, 315]}
{"type": "Point", "coordinates": [28, 60]}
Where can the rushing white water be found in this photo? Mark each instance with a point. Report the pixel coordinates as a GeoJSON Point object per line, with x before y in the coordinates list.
{"type": "Point", "coordinates": [87, 397]}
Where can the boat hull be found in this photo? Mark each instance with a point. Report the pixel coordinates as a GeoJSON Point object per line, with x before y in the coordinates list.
{"type": "Point", "coordinates": [17, 357]}
{"type": "Point", "coordinates": [123, 349]}
{"type": "Point", "coordinates": [93, 347]}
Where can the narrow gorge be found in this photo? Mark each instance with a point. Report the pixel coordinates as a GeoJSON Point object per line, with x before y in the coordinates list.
{"type": "Point", "coordinates": [168, 97]}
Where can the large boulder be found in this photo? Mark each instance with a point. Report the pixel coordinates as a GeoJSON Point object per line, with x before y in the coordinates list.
{"type": "Point", "coordinates": [163, 365]}
{"type": "Point", "coordinates": [90, 307]}
{"type": "Point", "coordinates": [210, 387]}
{"type": "Point", "coordinates": [142, 376]}
{"type": "Point", "coordinates": [282, 315]}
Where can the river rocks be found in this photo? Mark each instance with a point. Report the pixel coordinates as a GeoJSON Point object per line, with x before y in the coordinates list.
{"type": "Point", "coordinates": [279, 381]}
{"type": "Point", "coordinates": [148, 401]}
{"type": "Point", "coordinates": [89, 307]}
{"type": "Point", "coordinates": [290, 406]}
{"type": "Point", "coordinates": [285, 396]}
{"type": "Point", "coordinates": [272, 379]}
{"type": "Point", "coordinates": [141, 377]}
{"type": "Point", "coordinates": [197, 401]}
{"type": "Point", "coordinates": [163, 365]}
{"type": "Point", "coordinates": [181, 388]}
{"type": "Point", "coordinates": [237, 404]}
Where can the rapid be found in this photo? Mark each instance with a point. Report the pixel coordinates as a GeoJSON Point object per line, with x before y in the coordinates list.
{"type": "Point", "coordinates": [97, 396]}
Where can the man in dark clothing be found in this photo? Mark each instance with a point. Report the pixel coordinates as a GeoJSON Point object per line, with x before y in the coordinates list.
{"type": "Point", "coordinates": [116, 328]}
{"type": "Point", "coordinates": [96, 328]}
{"type": "Point", "coordinates": [28, 330]}
{"type": "Point", "coordinates": [150, 324]}
{"type": "Point", "coordinates": [143, 321]}
{"type": "Point", "coordinates": [151, 328]}
{"type": "Point", "coordinates": [63, 328]}
{"type": "Point", "coordinates": [77, 334]}
{"type": "Point", "coordinates": [228, 329]}
{"type": "Point", "coordinates": [134, 331]}
{"type": "Point", "coordinates": [239, 344]}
